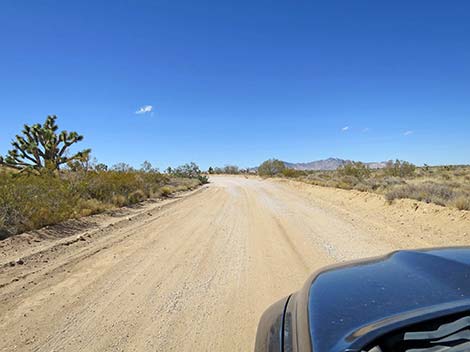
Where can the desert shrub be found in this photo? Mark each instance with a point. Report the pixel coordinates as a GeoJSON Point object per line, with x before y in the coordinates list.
{"type": "Point", "coordinates": [271, 167]}
{"type": "Point", "coordinates": [227, 170]}
{"type": "Point", "coordinates": [104, 186]}
{"type": "Point", "coordinates": [190, 170]}
{"type": "Point", "coordinates": [356, 169]}
{"type": "Point", "coordinates": [287, 172]}
{"type": "Point", "coordinates": [119, 200]}
{"type": "Point", "coordinates": [137, 196]}
{"type": "Point", "coordinates": [448, 186]}
{"type": "Point", "coordinates": [190, 183]}
{"type": "Point", "coordinates": [428, 192]}
{"type": "Point", "coordinates": [29, 201]}
{"type": "Point", "coordinates": [181, 188]}
{"type": "Point", "coordinates": [399, 168]}
{"type": "Point", "coordinates": [347, 182]}
{"type": "Point", "coordinates": [446, 176]}
{"type": "Point", "coordinates": [203, 179]}
{"type": "Point", "coordinates": [231, 170]}
{"type": "Point", "coordinates": [363, 187]}
{"type": "Point", "coordinates": [392, 181]}
{"type": "Point", "coordinates": [151, 182]}
{"type": "Point", "coordinates": [91, 206]}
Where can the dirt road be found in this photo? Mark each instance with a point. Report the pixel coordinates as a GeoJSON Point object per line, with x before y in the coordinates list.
{"type": "Point", "coordinates": [196, 273]}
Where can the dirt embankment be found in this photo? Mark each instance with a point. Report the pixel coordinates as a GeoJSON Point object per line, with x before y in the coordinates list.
{"type": "Point", "coordinates": [195, 273]}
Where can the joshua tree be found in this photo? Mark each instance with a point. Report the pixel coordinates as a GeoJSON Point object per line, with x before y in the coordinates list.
{"type": "Point", "coordinates": [40, 147]}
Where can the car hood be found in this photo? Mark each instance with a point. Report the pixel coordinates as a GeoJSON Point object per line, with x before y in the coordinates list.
{"type": "Point", "coordinates": [350, 305]}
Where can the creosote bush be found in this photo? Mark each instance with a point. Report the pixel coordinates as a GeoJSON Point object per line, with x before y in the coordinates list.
{"type": "Point", "coordinates": [271, 167]}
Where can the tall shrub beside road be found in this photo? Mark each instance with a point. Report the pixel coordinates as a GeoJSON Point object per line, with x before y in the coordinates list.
{"type": "Point", "coordinates": [271, 167]}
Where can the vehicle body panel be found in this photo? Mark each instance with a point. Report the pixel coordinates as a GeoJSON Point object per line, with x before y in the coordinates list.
{"type": "Point", "coordinates": [345, 307]}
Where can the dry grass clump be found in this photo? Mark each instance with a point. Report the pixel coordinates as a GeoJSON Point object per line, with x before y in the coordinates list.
{"type": "Point", "coordinates": [32, 201]}
{"type": "Point", "coordinates": [462, 202]}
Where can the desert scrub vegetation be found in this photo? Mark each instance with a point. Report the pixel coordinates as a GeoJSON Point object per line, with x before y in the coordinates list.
{"type": "Point", "coordinates": [29, 201]}
{"type": "Point", "coordinates": [432, 192]}
{"type": "Point", "coordinates": [441, 185]}
{"type": "Point", "coordinates": [41, 185]}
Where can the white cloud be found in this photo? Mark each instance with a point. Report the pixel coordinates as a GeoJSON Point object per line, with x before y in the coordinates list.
{"type": "Point", "coordinates": [145, 109]}
{"type": "Point", "coordinates": [367, 129]}
{"type": "Point", "coordinates": [407, 133]}
{"type": "Point", "coordinates": [345, 128]}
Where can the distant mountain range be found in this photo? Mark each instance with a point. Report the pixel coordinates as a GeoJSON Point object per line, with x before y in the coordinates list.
{"type": "Point", "coordinates": [329, 164]}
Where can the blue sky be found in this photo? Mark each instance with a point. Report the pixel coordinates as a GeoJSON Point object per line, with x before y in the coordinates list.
{"type": "Point", "coordinates": [242, 81]}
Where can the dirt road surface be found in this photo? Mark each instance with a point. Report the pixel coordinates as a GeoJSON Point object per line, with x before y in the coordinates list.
{"type": "Point", "coordinates": [195, 273]}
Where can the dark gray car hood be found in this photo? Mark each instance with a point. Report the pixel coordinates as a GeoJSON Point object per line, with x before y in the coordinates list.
{"type": "Point", "coordinates": [351, 304]}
